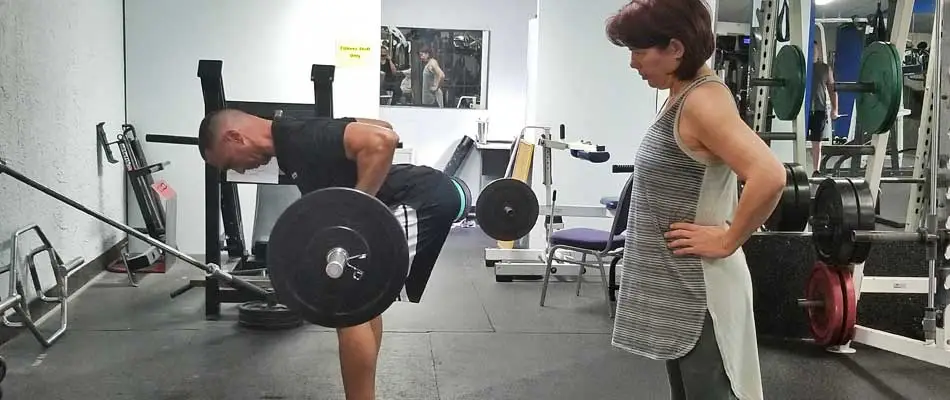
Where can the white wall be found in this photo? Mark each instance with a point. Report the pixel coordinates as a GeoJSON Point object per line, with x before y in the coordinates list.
{"type": "Point", "coordinates": [433, 133]}
{"type": "Point", "coordinates": [60, 74]}
{"type": "Point", "coordinates": [607, 104]}
{"type": "Point", "coordinates": [267, 50]}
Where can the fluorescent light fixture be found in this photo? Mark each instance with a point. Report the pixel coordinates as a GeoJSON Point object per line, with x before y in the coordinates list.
{"type": "Point", "coordinates": [822, 2]}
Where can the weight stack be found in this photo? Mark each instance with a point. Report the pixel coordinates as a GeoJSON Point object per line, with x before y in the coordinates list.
{"type": "Point", "coordinates": [780, 266]}
{"type": "Point", "coordinates": [461, 152]}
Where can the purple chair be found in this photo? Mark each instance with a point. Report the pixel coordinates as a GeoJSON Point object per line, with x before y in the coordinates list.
{"type": "Point", "coordinates": [596, 243]}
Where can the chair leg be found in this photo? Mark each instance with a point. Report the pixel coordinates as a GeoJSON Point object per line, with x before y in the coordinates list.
{"type": "Point", "coordinates": [603, 280]}
{"type": "Point", "coordinates": [580, 273]}
{"type": "Point", "coordinates": [547, 275]}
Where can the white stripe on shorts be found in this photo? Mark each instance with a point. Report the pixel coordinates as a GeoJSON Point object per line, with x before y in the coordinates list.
{"type": "Point", "coordinates": [406, 216]}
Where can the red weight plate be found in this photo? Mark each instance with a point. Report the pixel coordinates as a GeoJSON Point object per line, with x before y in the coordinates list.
{"type": "Point", "coordinates": [850, 306]}
{"type": "Point", "coordinates": [825, 321]}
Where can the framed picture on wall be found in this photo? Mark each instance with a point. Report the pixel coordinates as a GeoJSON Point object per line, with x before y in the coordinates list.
{"type": "Point", "coordinates": [435, 68]}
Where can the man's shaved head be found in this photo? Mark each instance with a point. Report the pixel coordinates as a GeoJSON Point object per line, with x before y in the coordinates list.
{"type": "Point", "coordinates": [234, 139]}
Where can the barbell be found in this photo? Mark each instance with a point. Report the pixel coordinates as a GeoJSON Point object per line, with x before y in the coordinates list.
{"type": "Point", "coordinates": [336, 256]}
{"type": "Point", "coordinates": [879, 85]}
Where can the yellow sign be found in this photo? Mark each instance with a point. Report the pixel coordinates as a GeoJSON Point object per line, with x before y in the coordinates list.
{"type": "Point", "coordinates": [350, 54]}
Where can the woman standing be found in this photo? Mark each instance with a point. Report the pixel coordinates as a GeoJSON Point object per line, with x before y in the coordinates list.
{"type": "Point", "coordinates": [686, 292]}
{"type": "Point", "coordinates": [432, 77]}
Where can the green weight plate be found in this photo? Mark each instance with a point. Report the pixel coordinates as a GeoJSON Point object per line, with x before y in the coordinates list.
{"type": "Point", "coordinates": [789, 66]}
{"type": "Point", "coordinates": [880, 66]}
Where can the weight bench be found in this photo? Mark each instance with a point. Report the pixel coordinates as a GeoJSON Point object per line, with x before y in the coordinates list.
{"type": "Point", "coordinates": [591, 242]}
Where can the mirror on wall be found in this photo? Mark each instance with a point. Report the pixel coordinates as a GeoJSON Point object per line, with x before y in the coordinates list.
{"type": "Point", "coordinates": [434, 68]}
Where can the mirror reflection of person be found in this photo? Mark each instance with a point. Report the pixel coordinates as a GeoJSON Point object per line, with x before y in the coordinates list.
{"type": "Point", "coordinates": [432, 77]}
{"type": "Point", "coordinates": [389, 76]}
{"type": "Point", "coordinates": [823, 95]}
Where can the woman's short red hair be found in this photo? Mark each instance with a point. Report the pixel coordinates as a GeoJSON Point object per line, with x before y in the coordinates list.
{"type": "Point", "coordinates": [643, 24]}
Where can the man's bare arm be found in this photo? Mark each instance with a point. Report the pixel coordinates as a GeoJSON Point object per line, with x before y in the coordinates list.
{"type": "Point", "coordinates": [372, 148]}
{"type": "Point", "coordinates": [832, 93]}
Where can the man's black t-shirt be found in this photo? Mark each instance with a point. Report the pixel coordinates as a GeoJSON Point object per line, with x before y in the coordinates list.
{"type": "Point", "coordinates": [311, 152]}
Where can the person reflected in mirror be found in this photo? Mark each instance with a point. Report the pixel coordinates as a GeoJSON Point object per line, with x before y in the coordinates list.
{"type": "Point", "coordinates": [824, 106]}
{"type": "Point", "coordinates": [389, 78]}
{"type": "Point", "coordinates": [432, 78]}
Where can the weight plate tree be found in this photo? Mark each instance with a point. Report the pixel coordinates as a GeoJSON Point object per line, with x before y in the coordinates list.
{"type": "Point", "coordinates": [787, 82]}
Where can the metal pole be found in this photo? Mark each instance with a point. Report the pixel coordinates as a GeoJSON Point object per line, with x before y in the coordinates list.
{"type": "Point", "coordinates": [930, 313]}
{"type": "Point", "coordinates": [211, 269]}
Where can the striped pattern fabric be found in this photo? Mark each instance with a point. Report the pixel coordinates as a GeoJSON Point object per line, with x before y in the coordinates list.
{"type": "Point", "coordinates": [662, 302]}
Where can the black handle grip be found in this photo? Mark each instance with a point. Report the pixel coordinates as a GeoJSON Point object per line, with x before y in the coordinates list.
{"type": "Point", "coordinates": [171, 139]}
{"type": "Point", "coordinates": [622, 168]}
{"type": "Point", "coordinates": [595, 157]}
{"type": "Point", "coordinates": [562, 131]}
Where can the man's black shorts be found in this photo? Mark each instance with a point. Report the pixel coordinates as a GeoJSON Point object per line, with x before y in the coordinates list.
{"type": "Point", "coordinates": [816, 126]}
{"type": "Point", "coordinates": [427, 225]}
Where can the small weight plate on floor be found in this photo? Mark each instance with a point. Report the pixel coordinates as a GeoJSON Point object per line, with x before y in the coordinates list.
{"type": "Point", "coordinates": [338, 218]}
{"type": "Point", "coordinates": [3, 368]}
{"type": "Point", "coordinates": [260, 315]}
{"type": "Point", "coordinates": [867, 218]}
{"type": "Point", "coordinates": [788, 66]}
{"type": "Point", "coordinates": [834, 216]}
{"type": "Point", "coordinates": [880, 66]}
{"type": "Point", "coordinates": [825, 320]}
{"type": "Point", "coordinates": [850, 306]}
{"type": "Point", "coordinates": [465, 195]}
{"type": "Point", "coordinates": [507, 209]}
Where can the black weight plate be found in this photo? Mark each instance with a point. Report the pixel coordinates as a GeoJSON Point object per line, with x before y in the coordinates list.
{"type": "Point", "coordinates": [880, 66]}
{"type": "Point", "coordinates": [309, 229]}
{"type": "Point", "coordinates": [783, 210]}
{"type": "Point", "coordinates": [789, 67]}
{"type": "Point", "coordinates": [803, 210]}
{"type": "Point", "coordinates": [465, 196]}
{"type": "Point", "coordinates": [260, 315]}
{"type": "Point", "coordinates": [834, 217]}
{"type": "Point", "coordinates": [507, 209]}
{"type": "Point", "coordinates": [867, 218]}
{"type": "Point", "coordinates": [3, 368]}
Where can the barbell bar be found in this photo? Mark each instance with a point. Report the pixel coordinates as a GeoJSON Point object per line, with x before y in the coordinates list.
{"type": "Point", "coordinates": [212, 269]}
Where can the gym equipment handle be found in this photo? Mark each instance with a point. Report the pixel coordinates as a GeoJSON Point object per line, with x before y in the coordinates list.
{"type": "Point", "coordinates": [777, 135]}
{"type": "Point", "coordinates": [171, 139]}
{"type": "Point", "coordinates": [855, 87]}
{"type": "Point", "coordinates": [211, 269]}
{"type": "Point", "coordinates": [595, 157]}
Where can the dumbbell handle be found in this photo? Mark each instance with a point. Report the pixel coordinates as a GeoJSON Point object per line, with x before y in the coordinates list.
{"type": "Point", "coordinates": [860, 87]}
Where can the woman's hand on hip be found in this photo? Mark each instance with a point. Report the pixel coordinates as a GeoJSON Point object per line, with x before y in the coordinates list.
{"type": "Point", "coordinates": [686, 239]}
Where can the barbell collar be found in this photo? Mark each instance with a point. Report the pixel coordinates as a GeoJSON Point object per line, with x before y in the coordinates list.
{"type": "Point", "coordinates": [336, 262]}
{"type": "Point", "coordinates": [859, 87]}
{"type": "Point", "coordinates": [771, 82]}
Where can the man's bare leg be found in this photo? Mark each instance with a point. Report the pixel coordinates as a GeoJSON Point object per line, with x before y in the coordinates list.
{"type": "Point", "coordinates": [816, 155]}
{"type": "Point", "coordinates": [377, 324]}
{"type": "Point", "coordinates": [359, 350]}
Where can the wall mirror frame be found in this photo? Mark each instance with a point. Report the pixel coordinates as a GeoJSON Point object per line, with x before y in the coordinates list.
{"type": "Point", "coordinates": [416, 60]}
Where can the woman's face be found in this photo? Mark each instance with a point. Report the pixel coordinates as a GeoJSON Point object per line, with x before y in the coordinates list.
{"type": "Point", "coordinates": [657, 64]}
{"type": "Point", "coordinates": [423, 56]}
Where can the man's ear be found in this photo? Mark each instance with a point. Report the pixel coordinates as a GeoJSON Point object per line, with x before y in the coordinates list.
{"type": "Point", "coordinates": [233, 136]}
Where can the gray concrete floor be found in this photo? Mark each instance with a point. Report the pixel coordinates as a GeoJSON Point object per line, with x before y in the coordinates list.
{"type": "Point", "coordinates": [471, 338]}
